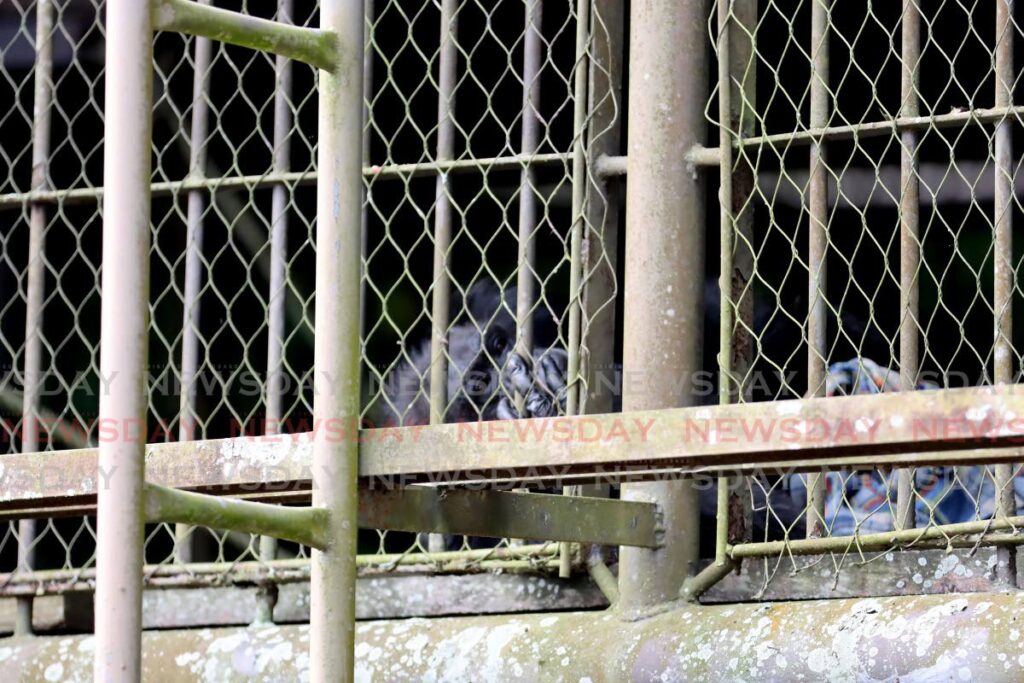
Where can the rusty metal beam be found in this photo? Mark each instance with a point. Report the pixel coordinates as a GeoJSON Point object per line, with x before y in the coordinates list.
{"type": "Point", "coordinates": [938, 637]}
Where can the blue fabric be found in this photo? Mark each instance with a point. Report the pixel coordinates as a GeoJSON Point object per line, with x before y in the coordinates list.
{"type": "Point", "coordinates": [864, 501]}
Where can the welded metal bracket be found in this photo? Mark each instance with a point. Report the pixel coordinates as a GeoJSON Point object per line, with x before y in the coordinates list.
{"type": "Point", "coordinates": [494, 514]}
{"type": "Point", "coordinates": [508, 514]}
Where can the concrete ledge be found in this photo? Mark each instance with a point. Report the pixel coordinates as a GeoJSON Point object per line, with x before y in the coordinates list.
{"type": "Point", "coordinates": [937, 637]}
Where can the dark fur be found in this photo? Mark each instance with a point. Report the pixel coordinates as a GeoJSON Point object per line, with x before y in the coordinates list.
{"type": "Point", "coordinates": [484, 372]}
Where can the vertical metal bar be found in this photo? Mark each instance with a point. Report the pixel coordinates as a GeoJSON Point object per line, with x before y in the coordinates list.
{"type": "Point", "coordinates": [910, 245]}
{"type": "Point", "coordinates": [276, 333]}
{"type": "Point", "coordinates": [668, 71]}
{"type": "Point", "coordinates": [737, 23]}
{"type": "Point", "coordinates": [336, 356]}
{"type": "Point", "coordinates": [35, 289]}
{"type": "Point", "coordinates": [367, 94]}
{"type": "Point", "coordinates": [1006, 504]}
{"type": "Point", "coordinates": [529, 143]}
{"type": "Point", "coordinates": [743, 120]}
{"type": "Point", "coordinates": [188, 419]}
{"type": "Point", "coordinates": [579, 195]}
{"type": "Point", "coordinates": [817, 247]}
{"type": "Point", "coordinates": [725, 225]}
{"type": "Point", "coordinates": [599, 256]}
{"type": "Point", "coordinates": [124, 332]}
{"type": "Point", "coordinates": [604, 94]}
{"type": "Point", "coordinates": [441, 293]}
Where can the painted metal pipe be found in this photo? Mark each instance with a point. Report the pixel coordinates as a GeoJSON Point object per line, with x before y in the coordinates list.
{"type": "Point", "coordinates": [441, 290]}
{"type": "Point", "coordinates": [664, 277]}
{"type": "Point", "coordinates": [579, 196]}
{"type": "Point", "coordinates": [743, 121]}
{"type": "Point", "coordinates": [302, 525]}
{"type": "Point", "coordinates": [278, 286]}
{"type": "Point", "coordinates": [580, 190]}
{"type": "Point", "coordinates": [529, 142]}
{"type": "Point", "coordinates": [817, 245]}
{"type": "Point", "coordinates": [124, 330]}
{"type": "Point", "coordinates": [314, 47]}
{"type": "Point", "coordinates": [36, 285]}
{"type": "Point", "coordinates": [910, 244]}
{"type": "Point", "coordinates": [1005, 272]}
{"type": "Point", "coordinates": [509, 162]}
{"type": "Point", "coordinates": [600, 279]}
{"type": "Point", "coordinates": [603, 50]}
{"type": "Point", "coordinates": [188, 419]}
{"type": "Point", "coordinates": [337, 349]}
{"type": "Point", "coordinates": [935, 637]}
{"type": "Point", "coordinates": [440, 303]}
{"type": "Point", "coordinates": [726, 250]}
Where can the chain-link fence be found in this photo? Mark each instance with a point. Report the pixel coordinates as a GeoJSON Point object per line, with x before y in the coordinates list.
{"type": "Point", "coordinates": [482, 226]}
{"type": "Point", "coordinates": [869, 197]}
{"type": "Point", "coordinates": [871, 200]}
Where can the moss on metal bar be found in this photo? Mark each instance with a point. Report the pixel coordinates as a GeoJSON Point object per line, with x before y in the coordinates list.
{"type": "Point", "coordinates": [312, 46]}
{"type": "Point", "coordinates": [939, 637]}
{"type": "Point", "coordinates": [301, 525]}
{"type": "Point", "coordinates": [696, 586]}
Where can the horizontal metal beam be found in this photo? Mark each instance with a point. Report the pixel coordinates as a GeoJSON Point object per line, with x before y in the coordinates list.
{"type": "Point", "coordinates": [510, 514]}
{"type": "Point", "coordinates": [494, 514]}
{"type": "Point", "coordinates": [515, 162]}
{"type": "Point", "coordinates": [956, 119]}
{"type": "Point", "coordinates": [312, 46]}
{"type": "Point", "coordinates": [959, 426]}
{"type": "Point", "coordinates": [530, 557]}
{"type": "Point", "coordinates": [303, 525]}
{"type": "Point", "coordinates": [976, 533]}
{"type": "Point", "coordinates": [965, 424]}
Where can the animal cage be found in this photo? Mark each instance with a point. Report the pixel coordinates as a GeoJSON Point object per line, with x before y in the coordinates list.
{"type": "Point", "coordinates": [636, 339]}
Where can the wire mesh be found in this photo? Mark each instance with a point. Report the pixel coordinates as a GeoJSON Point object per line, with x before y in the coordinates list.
{"type": "Point", "coordinates": [472, 128]}
{"type": "Point", "coordinates": [875, 233]}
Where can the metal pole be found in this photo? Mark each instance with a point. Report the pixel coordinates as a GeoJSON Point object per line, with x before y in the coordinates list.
{"type": "Point", "coordinates": [529, 142]}
{"type": "Point", "coordinates": [276, 332]}
{"type": "Point", "coordinates": [579, 195]}
{"type": "Point", "coordinates": [665, 264]}
{"type": "Point", "coordinates": [743, 119]}
{"type": "Point", "coordinates": [910, 244]}
{"type": "Point", "coordinates": [725, 377]}
{"type": "Point", "coordinates": [1006, 504]}
{"type": "Point", "coordinates": [35, 290]}
{"type": "Point", "coordinates": [124, 330]}
{"type": "Point", "coordinates": [817, 247]}
{"type": "Point", "coordinates": [604, 93]}
{"type": "Point", "coordinates": [336, 356]}
{"type": "Point", "coordinates": [736, 95]}
{"type": "Point", "coordinates": [188, 420]}
{"type": "Point", "coordinates": [580, 180]}
{"type": "Point", "coordinates": [602, 49]}
{"type": "Point", "coordinates": [367, 94]}
{"type": "Point", "coordinates": [441, 294]}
